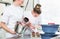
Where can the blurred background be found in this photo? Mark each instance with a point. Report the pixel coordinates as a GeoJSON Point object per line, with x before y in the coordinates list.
{"type": "Point", "coordinates": [50, 9]}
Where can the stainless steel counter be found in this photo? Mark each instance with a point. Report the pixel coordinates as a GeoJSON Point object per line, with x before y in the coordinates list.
{"type": "Point", "coordinates": [25, 37]}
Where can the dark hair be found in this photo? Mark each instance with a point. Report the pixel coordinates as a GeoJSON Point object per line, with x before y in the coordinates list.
{"type": "Point", "coordinates": [13, 0]}
{"type": "Point", "coordinates": [37, 9]}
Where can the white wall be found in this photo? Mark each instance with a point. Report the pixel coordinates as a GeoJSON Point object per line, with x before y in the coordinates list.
{"type": "Point", "coordinates": [30, 4]}
{"type": "Point", "coordinates": [50, 11]}
{"type": "Point", "coordinates": [2, 6]}
{"type": "Point", "coordinates": [10, 1]}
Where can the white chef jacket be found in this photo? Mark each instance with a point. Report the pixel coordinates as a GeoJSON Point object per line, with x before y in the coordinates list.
{"type": "Point", "coordinates": [10, 16]}
{"type": "Point", "coordinates": [32, 19]}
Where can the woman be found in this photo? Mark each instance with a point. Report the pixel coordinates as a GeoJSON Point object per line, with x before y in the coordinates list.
{"type": "Point", "coordinates": [34, 19]}
{"type": "Point", "coordinates": [10, 16]}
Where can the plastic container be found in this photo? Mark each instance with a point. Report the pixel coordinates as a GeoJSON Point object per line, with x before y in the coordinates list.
{"type": "Point", "coordinates": [49, 31]}
{"type": "Point", "coordinates": [50, 28]}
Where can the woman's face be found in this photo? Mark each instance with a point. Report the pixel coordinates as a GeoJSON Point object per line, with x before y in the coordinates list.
{"type": "Point", "coordinates": [20, 1]}
{"type": "Point", "coordinates": [35, 14]}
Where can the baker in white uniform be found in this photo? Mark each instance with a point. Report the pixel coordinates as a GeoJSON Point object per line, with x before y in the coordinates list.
{"type": "Point", "coordinates": [11, 15]}
{"type": "Point", "coordinates": [34, 18]}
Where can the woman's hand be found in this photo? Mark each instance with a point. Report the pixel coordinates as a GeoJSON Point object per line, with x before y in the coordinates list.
{"type": "Point", "coordinates": [12, 32]}
{"type": "Point", "coordinates": [31, 26]}
{"type": "Point", "coordinates": [4, 26]}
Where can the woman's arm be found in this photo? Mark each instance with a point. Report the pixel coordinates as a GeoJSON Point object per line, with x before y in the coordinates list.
{"type": "Point", "coordinates": [4, 26]}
